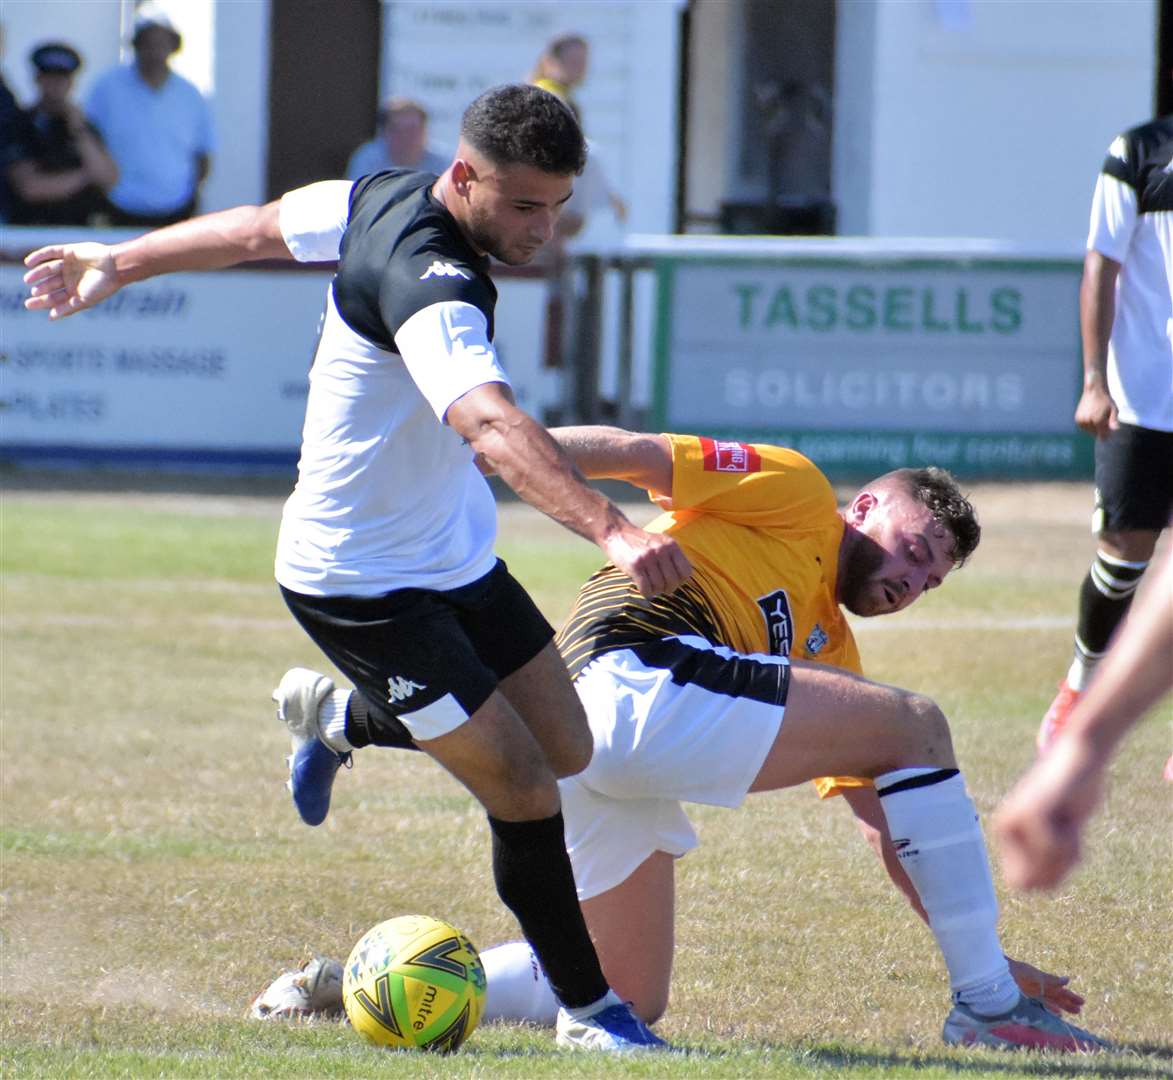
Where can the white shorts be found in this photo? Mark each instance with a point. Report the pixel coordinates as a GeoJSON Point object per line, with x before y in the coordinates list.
{"type": "Point", "coordinates": [677, 720]}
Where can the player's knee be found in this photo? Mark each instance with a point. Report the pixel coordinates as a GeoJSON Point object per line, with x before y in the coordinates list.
{"type": "Point", "coordinates": [533, 790]}
{"type": "Point", "coordinates": [574, 752]}
{"type": "Point", "coordinates": [924, 732]}
{"type": "Point", "coordinates": [517, 784]}
{"type": "Point", "coordinates": [1130, 545]}
{"type": "Point", "coordinates": [648, 1003]}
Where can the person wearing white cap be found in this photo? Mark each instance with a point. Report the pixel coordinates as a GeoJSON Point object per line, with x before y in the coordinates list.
{"type": "Point", "coordinates": [158, 128]}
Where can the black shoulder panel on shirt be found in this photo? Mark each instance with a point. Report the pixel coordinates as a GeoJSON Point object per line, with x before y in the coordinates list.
{"type": "Point", "coordinates": [1146, 165]}
{"type": "Point", "coordinates": [402, 252]}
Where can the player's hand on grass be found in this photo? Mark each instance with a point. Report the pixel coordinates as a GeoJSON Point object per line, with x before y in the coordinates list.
{"type": "Point", "coordinates": [653, 561]}
{"type": "Point", "coordinates": [66, 278]}
{"type": "Point", "coordinates": [1051, 990]}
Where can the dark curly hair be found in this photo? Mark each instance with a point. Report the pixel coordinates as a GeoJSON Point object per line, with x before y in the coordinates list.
{"type": "Point", "coordinates": [939, 491]}
{"type": "Point", "coordinates": [519, 124]}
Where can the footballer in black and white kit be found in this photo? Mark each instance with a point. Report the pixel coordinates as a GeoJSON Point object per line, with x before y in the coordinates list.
{"type": "Point", "coordinates": [385, 555]}
{"type": "Point", "coordinates": [1132, 224]}
{"type": "Point", "coordinates": [1126, 320]}
{"type": "Point", "coordinates": [388, 496]}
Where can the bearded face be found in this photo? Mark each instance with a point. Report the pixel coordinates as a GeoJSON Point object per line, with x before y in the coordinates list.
{"type": "Point", "coordinates": [857, 579]}
{"type": "Point", "coordinates": [895, 552]}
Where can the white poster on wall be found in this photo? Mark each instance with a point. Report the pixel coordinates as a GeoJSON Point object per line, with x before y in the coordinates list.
{"type": "Point", "coordinates": [446, 52]}
{"type": "Point", "coordinates": [188, 363]}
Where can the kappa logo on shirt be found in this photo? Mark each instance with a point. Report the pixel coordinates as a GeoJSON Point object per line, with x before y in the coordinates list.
{"type": "Point", "coordinates": [737, 457]}
{"type": "Point", "coordinates": [779, 625]}
{"type": "Point", "coordinates": [443, 269]}
{"type": "Point", "coordinates": [400, 689]}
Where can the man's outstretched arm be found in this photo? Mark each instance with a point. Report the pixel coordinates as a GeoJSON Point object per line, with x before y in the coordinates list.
{"type": "Point", "coordinates": [611, 453]}
{"type": "Point", "coordinates": [67, 278]}
{"type": "Point", "coordinates": [535, 465]}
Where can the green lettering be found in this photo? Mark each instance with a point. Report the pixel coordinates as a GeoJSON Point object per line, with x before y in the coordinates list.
{"type": "Point", "coordinates": [898, 309]}
{"type": "Point", "coordinates": [928, 321]}
{"type": "Point", "coordinates": [861, 307]}
{"type": "Point", "coordinates": [745, 297]}
{"type": "Point", "coordinates": [782, 309]}
{"type": "Point", "coordinates": [1007, 305]}
{"type": "Point", "coordinates": [963, 323]}
{"type": "Point", "coordinates": [822, 313]}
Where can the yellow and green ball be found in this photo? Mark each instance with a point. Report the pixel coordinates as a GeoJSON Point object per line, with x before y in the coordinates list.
{"type": "Point", "coordinates": [414, 982]}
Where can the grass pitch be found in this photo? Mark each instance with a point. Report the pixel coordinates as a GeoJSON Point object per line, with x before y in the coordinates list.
{"type": "Point", "coordinates": [154, 875]}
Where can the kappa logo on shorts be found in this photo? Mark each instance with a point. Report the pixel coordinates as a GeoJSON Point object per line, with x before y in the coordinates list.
{"type": "Point", "coordinates": [721, 456]}
{"type": "Point", "coordinates": [443, 269]}
{"type": "Point", "coordinates": [400, 689]}
{"type": "Point", "coordinates": [779, 625]}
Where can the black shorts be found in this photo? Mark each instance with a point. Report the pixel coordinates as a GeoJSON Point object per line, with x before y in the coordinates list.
{"type": "Point", "coordinates": [1134, 479]}
{"type": "Point", "coordinates": [426, 660]}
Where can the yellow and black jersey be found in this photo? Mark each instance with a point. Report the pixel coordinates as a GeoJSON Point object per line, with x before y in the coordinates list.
{"type": "Point", "coordinates": [609, 613]}
{"type": "Point", "coordinates": [761, 527]}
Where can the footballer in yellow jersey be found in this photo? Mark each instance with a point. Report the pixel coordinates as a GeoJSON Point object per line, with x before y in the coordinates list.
{"type": "Point", "coordinates": [761, 527]}
{"type": "Point", "coordinates": [746, 678]}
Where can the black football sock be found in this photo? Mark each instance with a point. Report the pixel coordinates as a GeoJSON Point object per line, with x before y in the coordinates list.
{"type": "Point", "coordinates": [1104, 600]}
{"type": "Point", "coordinates": [534, 879]}
{"type": "Point", "coordinates": [371, 727]}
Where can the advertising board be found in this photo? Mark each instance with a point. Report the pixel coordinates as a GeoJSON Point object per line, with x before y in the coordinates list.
{"type": "Point", "coordinates": [869, 364]}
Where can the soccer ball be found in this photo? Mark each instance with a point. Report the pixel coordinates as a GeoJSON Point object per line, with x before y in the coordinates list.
{"type": "Point", "coordinates": [414, 982]}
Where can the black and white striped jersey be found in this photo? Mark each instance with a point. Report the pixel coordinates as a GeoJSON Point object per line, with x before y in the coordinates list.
{"type": "Point", "coordinates": [1132, 223]}
{"type": "Point", "coordinates": [387, 495]}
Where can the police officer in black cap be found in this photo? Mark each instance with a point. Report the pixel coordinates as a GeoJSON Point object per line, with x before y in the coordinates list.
{"type": "Point", "coordinates": [58, 170]}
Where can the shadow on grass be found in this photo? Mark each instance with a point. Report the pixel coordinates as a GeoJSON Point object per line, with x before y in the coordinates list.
{"type": "Point", "coordinates": [1159, 1057]}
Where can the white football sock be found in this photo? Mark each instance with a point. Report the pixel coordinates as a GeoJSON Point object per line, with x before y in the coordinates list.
{"type": "Point", "coordinates": [934, 825]}
{"type": "Point", "coordinates": [1080, 672]}
{"type": "Point", "coordinates": [332, 721]}
{"type": "Point", "coordinates": [585, 1012]}
{"type": "Point", "coordinates": [517, 986]}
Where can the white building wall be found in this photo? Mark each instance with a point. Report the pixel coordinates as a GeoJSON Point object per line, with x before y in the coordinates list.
{"type": "Point", "coordinates": [712, 67]}
{"type": "Point", "coordinates": [93, 28]}
{"type": "Point", "coordinates": [984, 118]}
{"type": "Point", "coordinates": [240, 108]}
{"type": "Point", "coordinates": [854, 114]}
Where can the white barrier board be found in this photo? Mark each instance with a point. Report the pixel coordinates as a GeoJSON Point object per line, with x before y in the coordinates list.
{"type": "Point", "coordinates": [197, 368]}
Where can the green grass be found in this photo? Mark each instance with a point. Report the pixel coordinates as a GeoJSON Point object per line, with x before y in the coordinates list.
{"type": "Point", "coordinates": [153, 876]}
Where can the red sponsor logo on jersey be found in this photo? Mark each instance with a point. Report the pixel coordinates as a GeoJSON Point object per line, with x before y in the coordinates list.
{"type": "Point", "coordinates": [721, 456]}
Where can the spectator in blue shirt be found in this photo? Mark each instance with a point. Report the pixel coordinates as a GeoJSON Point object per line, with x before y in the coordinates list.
{"type": "Point", "coordinates": [157, 127]}
{"type": "Point", "coordinates": [402, 143]}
